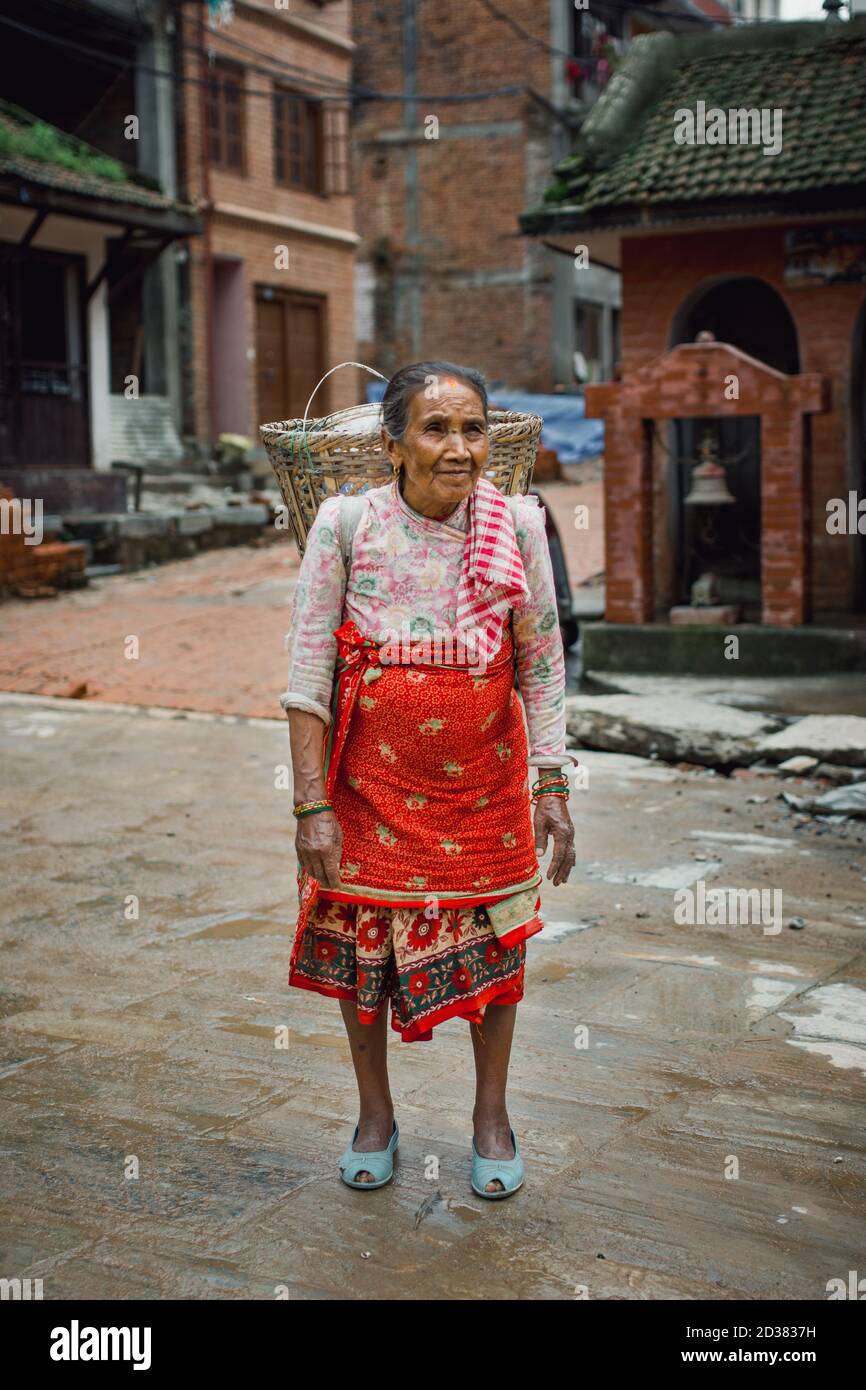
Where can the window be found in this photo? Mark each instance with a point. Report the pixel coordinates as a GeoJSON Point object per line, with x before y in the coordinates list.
{"type": "Point", "coordinates": [226, 117]}
{"type": "Point", "coordinates": [590, 339]}
{"type": "Point", "coordinates": [298, 142]}
{"type": "Point", "coordinates": [337, 148]}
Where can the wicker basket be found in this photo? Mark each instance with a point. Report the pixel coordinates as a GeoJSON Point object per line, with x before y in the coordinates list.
{"type": "Point", "coordinates": [343, 452]}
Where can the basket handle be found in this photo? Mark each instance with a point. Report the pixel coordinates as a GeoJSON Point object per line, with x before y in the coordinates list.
{"type": "Point", "coordinates": [371, 370]}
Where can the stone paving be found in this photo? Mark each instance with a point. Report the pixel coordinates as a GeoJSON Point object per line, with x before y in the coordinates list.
{"type": "Point", "coordinates": [157, 1143]}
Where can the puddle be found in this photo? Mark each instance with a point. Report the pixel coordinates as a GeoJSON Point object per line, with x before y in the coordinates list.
{"type": "Point", "coordinates": [844, 1055]}
{"type": "Point", "coordinates": [235, 928]}
{"type": "Point", "coordinates": [555, 931]}
{"type": "Point", "coordinates": [552, 971]}
{"type": "Point", "coordinates": [834, 1026]}
{"type": "Point", "coordinates": [744, 842]}
{"type": "Point", "coordinates": [253, 1030]}
{"type": "Point", "coordinates": [671, 877]}
{"type": "Point", "coordinates": [767, 994]}
{"type": "Point", "coordinates": [139, 861]}
{"type": "Point", "coordinates": [701, 962]}
{"type": "Point", "coordinates": [318, 1039]}
{"type": "Point", "coordinates": [773, 969]}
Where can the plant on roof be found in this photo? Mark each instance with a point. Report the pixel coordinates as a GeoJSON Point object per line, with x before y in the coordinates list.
{"type": "Point", "coordinates": [50, 146]}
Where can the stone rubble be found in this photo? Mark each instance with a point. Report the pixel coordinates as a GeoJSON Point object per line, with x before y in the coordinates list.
{"type": "Point", "coordinates": [677, 728]}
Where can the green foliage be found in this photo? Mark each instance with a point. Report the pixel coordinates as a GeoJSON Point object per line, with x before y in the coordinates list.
{"type": "Point", "coordinates": [50, 146]}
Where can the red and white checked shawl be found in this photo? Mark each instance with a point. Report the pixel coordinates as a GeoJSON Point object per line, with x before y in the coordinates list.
{"type": "Point", "coordinates": [493, 579]}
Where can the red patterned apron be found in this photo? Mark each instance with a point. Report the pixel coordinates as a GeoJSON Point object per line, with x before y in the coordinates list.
{"type": "Point", "coordinates": [426, 769]}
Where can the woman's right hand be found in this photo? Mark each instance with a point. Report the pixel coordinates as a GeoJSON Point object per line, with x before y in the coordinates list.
{"type": "Point", "coordinates": [319, 847]}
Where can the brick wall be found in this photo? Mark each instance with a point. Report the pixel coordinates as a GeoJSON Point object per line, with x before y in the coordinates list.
{"type": "Point", "coordinates": [317, 264]}
{"type": "Point", "coordinates": [469, 288]}
{"type": "Point", "coordinates": [660, 271]}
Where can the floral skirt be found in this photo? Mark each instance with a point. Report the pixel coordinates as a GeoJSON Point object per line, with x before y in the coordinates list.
{"type": "Point", "coordinates": [429, 968]}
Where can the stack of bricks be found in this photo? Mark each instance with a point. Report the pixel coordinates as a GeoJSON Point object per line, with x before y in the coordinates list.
{"type": "Point", "coordinates": [35, 571]}
{"type": "Point", "coordinates": [547, 466]}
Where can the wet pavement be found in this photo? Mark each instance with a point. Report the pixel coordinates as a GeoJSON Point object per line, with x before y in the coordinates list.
{"type": "Point", "coordinates": [839, 692]}
{"type": "Point", "coordinates": [707, 1141]}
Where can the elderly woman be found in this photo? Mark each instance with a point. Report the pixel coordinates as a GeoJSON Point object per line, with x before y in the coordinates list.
{"type": "Point", "coordinates": [418, 878]}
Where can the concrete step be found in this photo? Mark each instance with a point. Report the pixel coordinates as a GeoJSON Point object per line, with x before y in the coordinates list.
{"type": "Point", "coordinates": [667, 649]}
{"type": "Point", "coordinates": [180, 482]}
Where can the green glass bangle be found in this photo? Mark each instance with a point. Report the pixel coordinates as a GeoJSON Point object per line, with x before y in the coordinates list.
{"type": "Point", "coordinates": [312, 811]}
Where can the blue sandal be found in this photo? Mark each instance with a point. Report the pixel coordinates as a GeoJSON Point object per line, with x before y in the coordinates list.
{"type": "Point", "coordinates": [380, 1164]}
{"type": "Point", "coordinates": [508, 1171]}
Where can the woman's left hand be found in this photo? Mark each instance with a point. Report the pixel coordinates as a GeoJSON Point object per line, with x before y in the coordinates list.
{"type": "Point", "coordinates": [551, 817]}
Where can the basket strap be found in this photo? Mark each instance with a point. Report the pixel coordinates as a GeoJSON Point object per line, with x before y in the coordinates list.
{"type": "Point", "coordinates": [351, 507]}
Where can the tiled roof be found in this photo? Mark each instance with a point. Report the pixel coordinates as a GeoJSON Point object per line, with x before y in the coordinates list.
{"type": "Point", "coordinates": [29, 149]}
{"type": "Point", "coordinates": [627, 167]}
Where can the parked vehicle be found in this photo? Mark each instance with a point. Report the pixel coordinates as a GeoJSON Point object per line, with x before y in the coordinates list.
{"type": "Point", "coordinates": [567, 622]}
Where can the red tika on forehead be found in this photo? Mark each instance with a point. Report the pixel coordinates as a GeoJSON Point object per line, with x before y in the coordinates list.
{"type": "Point", "coordinates": [454, 384]}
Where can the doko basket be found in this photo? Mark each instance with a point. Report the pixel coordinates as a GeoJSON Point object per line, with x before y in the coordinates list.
{"type": "Point", "coordinates": [342, 453]}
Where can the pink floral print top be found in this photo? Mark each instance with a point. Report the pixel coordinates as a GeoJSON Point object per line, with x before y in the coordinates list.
{"type": "Point", "coordinates": [404, 576]}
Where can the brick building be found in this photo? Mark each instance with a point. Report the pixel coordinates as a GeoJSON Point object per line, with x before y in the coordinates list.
{"type": "Point", "coordinates": [264, 152]}
{"type": "Point", "coordinates": [483, 98]}
{"type": "Point", "coordinates": [744, 317]}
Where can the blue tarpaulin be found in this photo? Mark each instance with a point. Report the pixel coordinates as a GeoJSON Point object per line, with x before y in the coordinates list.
{"type": "Point", "coordinates": [566, 428]}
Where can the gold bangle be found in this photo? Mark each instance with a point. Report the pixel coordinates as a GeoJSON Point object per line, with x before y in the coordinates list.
{"type": "Point", "coordinates": [306, 808]}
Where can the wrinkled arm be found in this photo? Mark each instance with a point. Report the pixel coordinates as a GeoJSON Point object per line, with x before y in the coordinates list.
{"type": "Point", "coordinates": [540, 657]}
{"type": "Point", "coordinates": [318, 838]}
{"type": "Point", "coordinates": [316, 612]}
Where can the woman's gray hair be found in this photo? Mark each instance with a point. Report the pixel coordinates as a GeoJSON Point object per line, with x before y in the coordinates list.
{"type": "Point", "coordinates": [419, 376]}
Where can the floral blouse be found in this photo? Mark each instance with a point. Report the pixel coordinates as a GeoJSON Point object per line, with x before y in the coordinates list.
{"type": "Point", "coordinates": [404, 575]}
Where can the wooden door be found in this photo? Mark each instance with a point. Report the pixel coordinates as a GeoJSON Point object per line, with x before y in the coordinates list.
{"type": "Point", "coordinates": [44, 418]}
{"type": "Point", "coordinates": [290, 350]}
{"type": "Point", "coordinates": [271, 360]}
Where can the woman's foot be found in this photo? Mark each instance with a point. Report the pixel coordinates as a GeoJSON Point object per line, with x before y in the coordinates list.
{"type": "Point", "coordinates": [374, 1134]}
{"type": "Point", "coordinates": [493, 1140]}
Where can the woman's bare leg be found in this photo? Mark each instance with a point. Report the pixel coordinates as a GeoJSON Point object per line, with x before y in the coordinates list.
{"type": "Point", "coordinates": [369, 1044]}
{"type": "Point", "coordinates": [491, 1042]}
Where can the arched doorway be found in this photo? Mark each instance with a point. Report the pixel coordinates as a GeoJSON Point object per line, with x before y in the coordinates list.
{"type": "Point", "coordinates": [726, 544]}
{"type": "Point", "coordinates": [745, 312]}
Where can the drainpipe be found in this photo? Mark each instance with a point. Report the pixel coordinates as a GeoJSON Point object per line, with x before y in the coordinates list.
{"type": "Point", "coordinates": [206, 197]}
{"type": "Point", "coordinates": [410, 177]}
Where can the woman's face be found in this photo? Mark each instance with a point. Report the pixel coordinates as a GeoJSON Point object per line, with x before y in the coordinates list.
{"type": "Point", "coordinates": [443, 449]}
